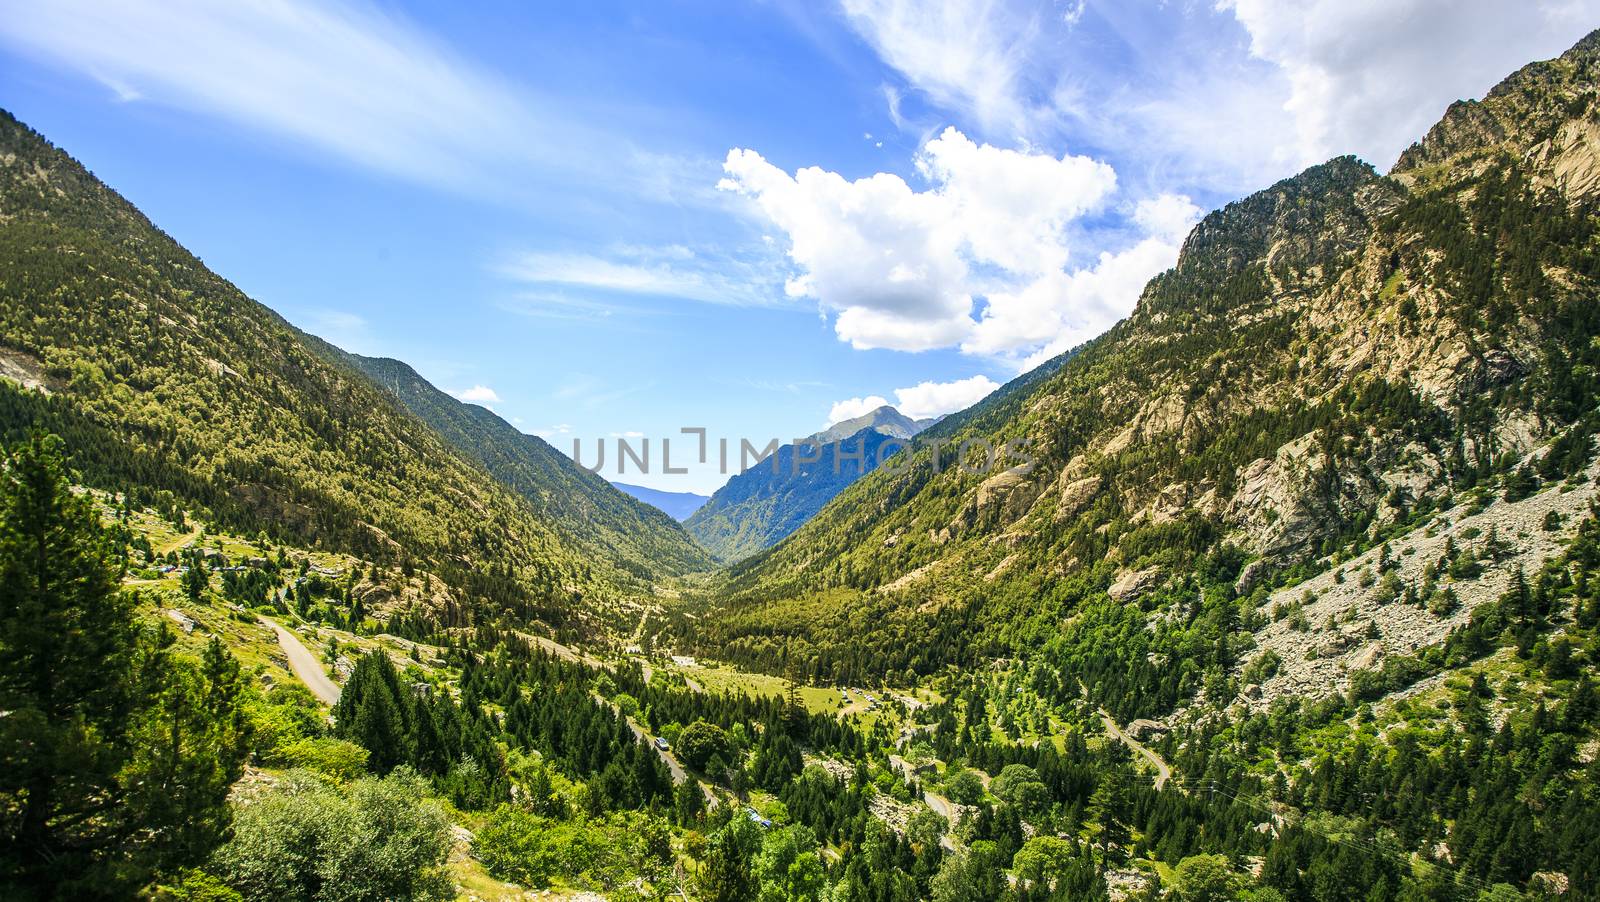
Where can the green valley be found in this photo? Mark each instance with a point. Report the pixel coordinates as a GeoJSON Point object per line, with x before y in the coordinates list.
{"type": "Point", "coordinates": [1292, 593]}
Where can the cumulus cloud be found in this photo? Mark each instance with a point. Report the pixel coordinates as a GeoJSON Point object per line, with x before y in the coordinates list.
{"type": "Point", "coordinates": [902, 268]}
{"type": "Point", "coordinates": [932, 399]}
{"type": "Point", "coordinates": [1370, 76]}
{"type": "Point", "coordinates": [478, 394]}
{"type": "Point", "coordinates": [1060, 310]}
{"type": "Point", "coordinates": [1168, 217]}
{"type": "Point", "coordinates": [885, 256]}
{"type": "Point", "coordinates": [1012, 206]}
{"type": "Point", "coordinates": [920, 401]}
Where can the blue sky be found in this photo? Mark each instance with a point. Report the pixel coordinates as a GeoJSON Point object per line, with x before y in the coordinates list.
{"type": "Point", "coordinates": [612, 219]}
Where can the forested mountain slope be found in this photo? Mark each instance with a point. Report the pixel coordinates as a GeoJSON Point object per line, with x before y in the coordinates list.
{"type": "Point", "coordinates": [169, 382]}
{"type": "Point", "coordinates": [773, 498]}
{"type": "Point", "coordinates": [589, 513]}
{"type": "Point", "coordinates": [1330, 361]}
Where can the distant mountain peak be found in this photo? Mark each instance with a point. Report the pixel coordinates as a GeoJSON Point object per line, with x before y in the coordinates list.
{"type": "Point", "coordinates": [885, 419]}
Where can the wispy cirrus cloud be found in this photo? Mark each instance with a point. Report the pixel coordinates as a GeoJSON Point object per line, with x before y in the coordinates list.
{"type": "Point", "coordinates": [348, 80]}
{"type": "Point", "coordinates": [971, 55]}
{"type": "Point", "coordinates": [666, 271]}
{"type": "Point", "coordinates": [341, 77]}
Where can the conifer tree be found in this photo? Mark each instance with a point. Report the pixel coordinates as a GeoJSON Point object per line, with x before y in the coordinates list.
{"type": "Point", "coordinates": [118, 753]}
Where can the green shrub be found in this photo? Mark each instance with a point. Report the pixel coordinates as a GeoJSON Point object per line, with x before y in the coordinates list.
{"type": "Point", "coordinates": [305, 841]}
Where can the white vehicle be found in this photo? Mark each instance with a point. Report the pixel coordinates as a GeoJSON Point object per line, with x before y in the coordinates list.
{"type": "Point", "coordinates": [662, 744]}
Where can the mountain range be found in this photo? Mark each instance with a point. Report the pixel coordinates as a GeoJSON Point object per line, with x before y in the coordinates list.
{"type": "Point", "coordinates": [758, 507]}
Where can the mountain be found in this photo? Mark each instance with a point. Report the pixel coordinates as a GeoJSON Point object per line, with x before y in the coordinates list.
{"type": "Point", "coordinates": [884, 419]}
{"type": "Point", "coordinates": [1340, 362]}
{"type": "Point", "coordinates": [172, 385]}
{"type": "Point", "coordinates": [677, 505]}
{"type": "Point", "coordinates": [770, 500]}
{"type": "Point", "coordinates": [590, 514]}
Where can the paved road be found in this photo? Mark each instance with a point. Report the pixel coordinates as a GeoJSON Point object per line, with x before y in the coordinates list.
{"type": "Point", "coordinates": [305, 664]}
{"type": "Point", "coordinates": [1163, 772]}
{"type": "Point", "coordinates": [678, 773]}
{"type": "Point", "coordinates": [940, 805]}
{"type": "Point", "coordinates": [947, 810]}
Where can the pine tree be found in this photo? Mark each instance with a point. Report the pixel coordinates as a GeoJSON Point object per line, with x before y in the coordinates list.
{"type": "Point", "coordinates": [372, 712]}
{"type": "Point", "coordinates": [118, 754]}
{"type": "Point", "coordinates": [728, 872]}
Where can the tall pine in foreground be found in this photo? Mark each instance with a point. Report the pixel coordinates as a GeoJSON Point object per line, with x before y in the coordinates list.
{"type": "Point", "coordinates": [115, 754]}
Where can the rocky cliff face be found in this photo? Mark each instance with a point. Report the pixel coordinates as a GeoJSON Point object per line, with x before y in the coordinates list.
{"type": "Point", "coordinates": [1539, 113]}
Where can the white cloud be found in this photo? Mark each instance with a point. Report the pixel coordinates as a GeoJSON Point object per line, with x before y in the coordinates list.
{"type": "Point", "coordinates": [1168, 217]}
{"type": "Point", "coordinates": [931, 399]}
{"type": "Point", "coordinates": [885, 256]}
{"type": "Point", "coordinates": [961, 53]}
{"type": "Point", "coordinates": [665, 271]}
{"type": "Point", "coordinates": [553, 431]}
{"type": "Point", "coordinates": [1060, 310]}
{"type": "Point", "coordinates": [1013, 206]}
{"type": "Point", "coordinates": [1226, 95]}
{"type": "Point", "coordinates": [1370, 76]}
{"type": "Point", "coordinates": [850, 408]}
{"type": "Point", "coordinates": [901, 266]}
{"type": "Point", "coordinates": [478, 394]}
{"type": "Point", "coordinates": [343, 77]}
{"type": "Point", "coordinates": [356, 81]}
{"type": "Point", "coordinates": [920, 401]}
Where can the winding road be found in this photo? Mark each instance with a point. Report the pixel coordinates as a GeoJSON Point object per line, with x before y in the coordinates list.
{"type": "Point", "coordinates": [1163, 772]}
{"type": "Point", "coordinates": [679, 774]}
{"type": "Point", "coordinates": [940, 805]}
{"type": "Point", "coordinates": [670, 760]}
{"type": "Point", "coordinates": [305, 664]}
